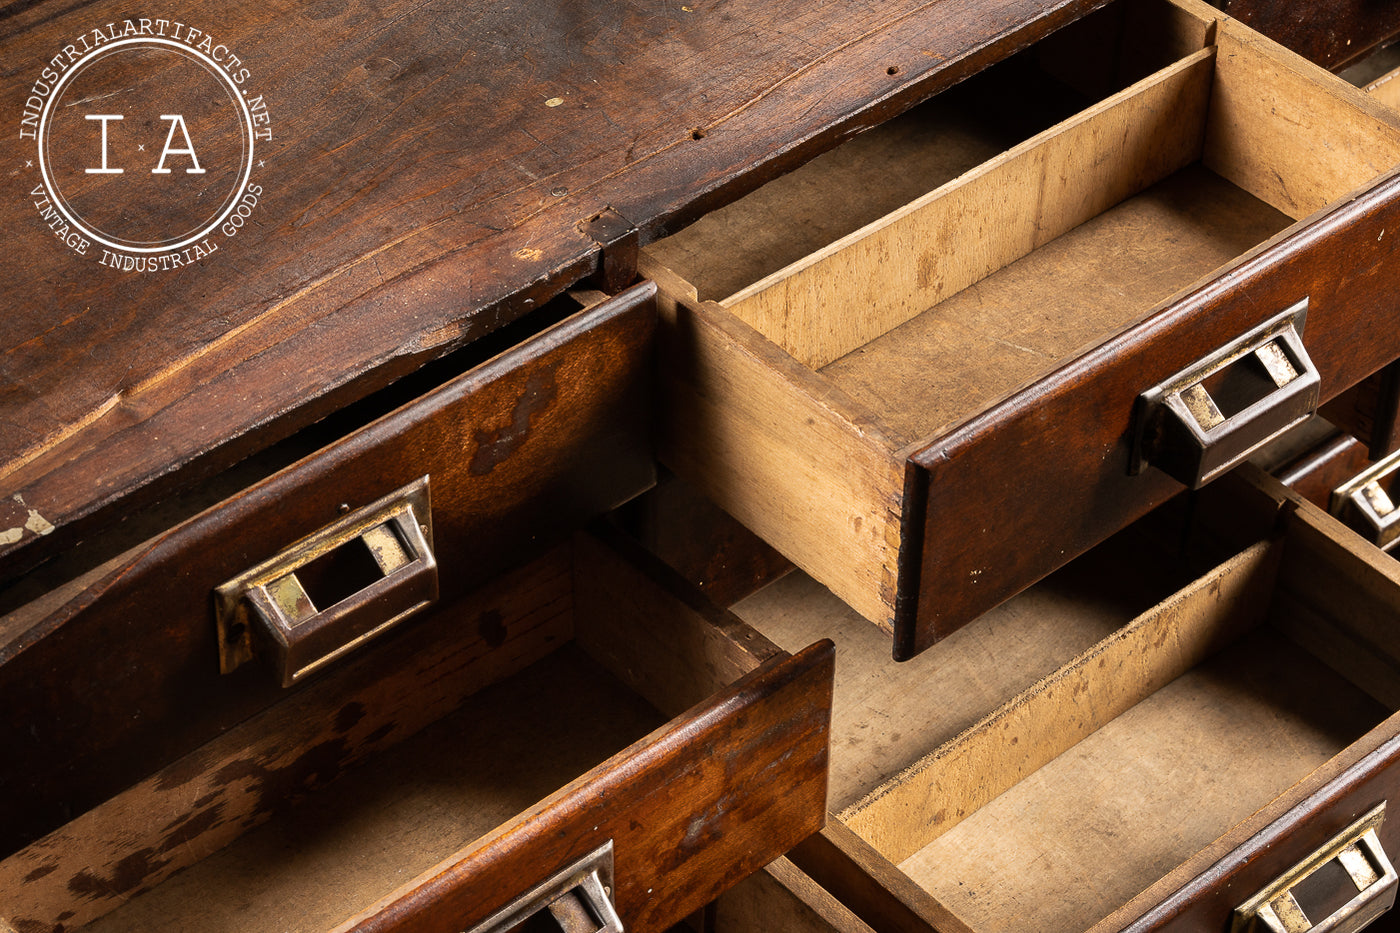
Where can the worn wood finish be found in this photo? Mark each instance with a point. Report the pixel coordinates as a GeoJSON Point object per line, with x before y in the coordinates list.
{"type": "Point", "coordinates": [1105, 820]}
{"type": "Point", "coordinates": [1360, 586]}
{"type": "Point", "coordinates": [829, 304]}
{"type": "Point", "coordinates": [191, 808]}
{"type": "Point", "coordinates": [870, 884]}
{"type": "Point", "coordinates": [1010, 413]}
{"type": "Point", "coordinates": [1024, 519]}
{"type": "Point", "coordinates": [734, 427]}
{"type": "Point", "coordinates": [518, 450]}
{"type": "Point", "coordinates": [762, 718]}
{"type": "Point", "coordinates": [935, 794]}
{"type": "Point", "coordinates": [886, 716]}
{"type": "Point", "coordinates": [1332, 33]}
{"type": "Point", "coordinates": [706, 802]}
{"type": "Point", "coordinates": [1214, 859]}
{"type": "Point", "coordinates": [712, 550]}
{"type": "Point", "coordinates": [426, 182]}
{"type": "Point", "coordinates": [1370, 411]}
{"type": "Point", "coordinates": [1320, 470]}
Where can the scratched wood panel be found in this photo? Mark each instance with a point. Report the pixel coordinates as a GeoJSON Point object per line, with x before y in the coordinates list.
{"type": "Point", "coordinates": [431, 173]}
{"type": "Point", "coordinates": [1332, 33]}
{"type": "Point", "coordinates": [124, 677]}
{"type": "Point", "coordinates": [191, 809]}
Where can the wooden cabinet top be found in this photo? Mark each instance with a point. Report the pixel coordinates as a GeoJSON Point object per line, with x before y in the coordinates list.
{"type": "Point", "coordinates": [376, 185]}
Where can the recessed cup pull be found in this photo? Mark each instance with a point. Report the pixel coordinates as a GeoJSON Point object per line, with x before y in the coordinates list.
{"type": "Point", "coordinates": [1211, 416]}
{"type": "Point", "coordinates": [334, 590]}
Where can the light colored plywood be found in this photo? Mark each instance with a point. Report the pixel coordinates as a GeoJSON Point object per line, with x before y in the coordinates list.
{"type": "Point", "coordinates": [886, 716]}
{"type": "Point", "coordinates": [381, 826]}
{"type": "Point", "coordinates": [1042, 311]}
{"type": "Point", "coordinates": [870, 281]}
{"type": "Point", "coordinates": [1103, 821]}
{"type": "Point", "coordinates": [202, 802]}
{"type": "Point", "coordinates": [1290, 133]}
{"type": "Point", "coordinates": [805, 468]}
{"type": "Point", "coordinates": [944, 788]}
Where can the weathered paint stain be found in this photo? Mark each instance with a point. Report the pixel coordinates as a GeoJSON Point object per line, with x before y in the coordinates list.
{"type": "Point", "coordinates": [195, 826]}
{"type": "Point", "coordinates": [42, 871]}
{"type": "Point", "coordinates": [491, 628]}
{"type": "Point", "coordinates": [35, 524]}
{"type": "Point", "coordinates": [494, 447]}
{"type": "Point", "coordinates": [127, 875]}
{"type": "Point", "coordinates": [349, 715]}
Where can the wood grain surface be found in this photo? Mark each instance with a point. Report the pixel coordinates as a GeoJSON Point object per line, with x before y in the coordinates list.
{"type": "Point", "coordinates": [1006, 472]}
{"type": "Point", "coordinates": [1332, 33]}
{"type": "Point", "coordinates": [696, 806]}
{"type": "Point", "coordinates": [432, 173]}
{"type": "Point", "coordinates": [123, 678]}
{"type": "Point", "coordinates": [185, 812]}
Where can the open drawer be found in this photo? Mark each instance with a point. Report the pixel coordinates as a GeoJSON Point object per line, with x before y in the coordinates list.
{"type": "Point", "coordinates": [123, 670]}
{"type": "Point", "coordinates": [544, 686]}
{"type": "Point", "coordinates": [941, 361]}
{"type": "Point", "coordinates": [1129, 744]}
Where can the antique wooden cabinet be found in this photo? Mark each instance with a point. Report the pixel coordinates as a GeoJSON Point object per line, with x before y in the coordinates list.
{"type": "Point", "coordinates": [1135, 743]}
{"type": "Point", "coordinates": [934, 298]}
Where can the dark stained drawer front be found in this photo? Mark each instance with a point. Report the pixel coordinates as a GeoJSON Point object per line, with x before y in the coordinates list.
{"type": "Point", "coordinates": [1130, 744]}
{"type": "Point", "coordinates": [123, 675]}
{"type": "Point", "coordinates": [427, 785]}
{"type": "Point", "coordinates": [930, 399]}
{"type": "Point", "coordinates": [1332, 33]}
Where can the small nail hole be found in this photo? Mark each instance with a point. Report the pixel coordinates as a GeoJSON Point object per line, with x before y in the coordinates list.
{"type": "Point", "coordinates": [892, 70]}
{"type": "Point", "coordinates": [697, 133]}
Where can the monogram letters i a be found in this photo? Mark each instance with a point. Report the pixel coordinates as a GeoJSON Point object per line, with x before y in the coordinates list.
{"type": "Point", "coordinates": [177, 122]}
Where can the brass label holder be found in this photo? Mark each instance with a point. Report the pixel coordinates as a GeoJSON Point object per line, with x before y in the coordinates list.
{"type": "Point", "coordinates": [332, 591]}
{"type": "Point", "coordinates": [578, 898]}
{"type": "Point", "coordinates": [1358, 851]}
{"type": "Point", "coordinates": [1211, 416]}
{"type": "Point", "coordinates": [1366, 505]}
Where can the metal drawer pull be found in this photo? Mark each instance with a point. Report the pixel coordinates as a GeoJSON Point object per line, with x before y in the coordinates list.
{"type": "Point", "coordinates": [1367, 502]}
{"type": "Point", "coordinates": [577, 900]}
{"type": "Point", "coordinates": [1352, 871]}
{"type": "Point", "coordinates": [333, 590]}
{"type": "Point", "coordinates": [1211, 416]}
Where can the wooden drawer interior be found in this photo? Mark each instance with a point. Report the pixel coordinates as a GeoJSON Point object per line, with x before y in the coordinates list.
{"type": "Point", "coordinates": [1045, 767]}
{"type": "Point", "coordinates": [897, 287]}
{"type": "Point", "coordinates": [436, 752]}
